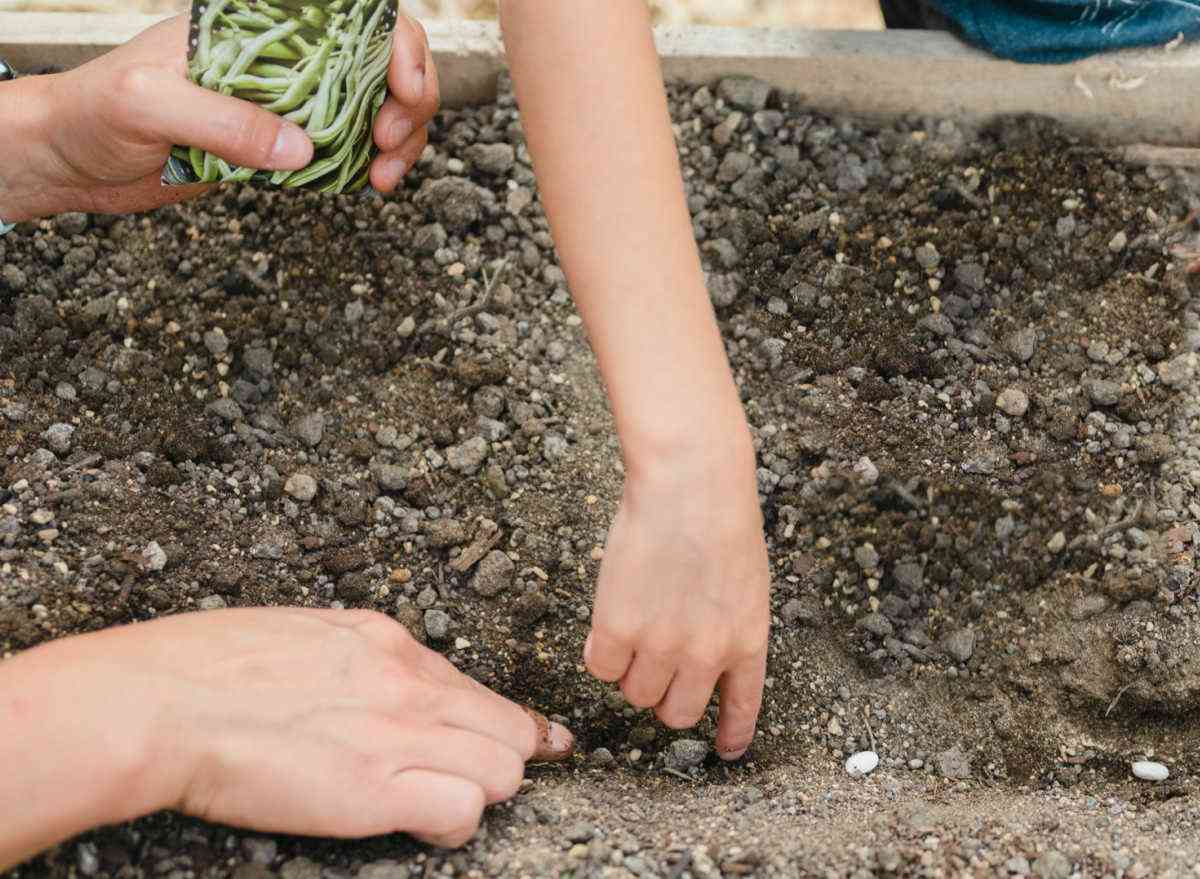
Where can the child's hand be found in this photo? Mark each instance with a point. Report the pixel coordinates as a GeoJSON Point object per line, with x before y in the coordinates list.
{"type": "Point", "coordinates": [683, 598]}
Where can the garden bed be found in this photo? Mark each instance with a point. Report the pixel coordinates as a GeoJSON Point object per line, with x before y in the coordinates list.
{"type": "Point", "coordinates": [968, 356]}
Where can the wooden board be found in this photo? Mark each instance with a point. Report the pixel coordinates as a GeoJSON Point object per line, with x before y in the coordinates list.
{"type": "Point", "coordinates": [1125, 98]}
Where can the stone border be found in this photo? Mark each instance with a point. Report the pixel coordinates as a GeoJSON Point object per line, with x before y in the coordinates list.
{"type": "Point", "coordinates": [1122, 98]}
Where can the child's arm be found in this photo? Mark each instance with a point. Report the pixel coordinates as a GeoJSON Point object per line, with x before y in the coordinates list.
{"type": "Point", "coordinates": [682, 601]}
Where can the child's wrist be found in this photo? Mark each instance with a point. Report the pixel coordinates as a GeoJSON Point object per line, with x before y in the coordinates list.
{"type": "Point", "coordinates": [704, 450]}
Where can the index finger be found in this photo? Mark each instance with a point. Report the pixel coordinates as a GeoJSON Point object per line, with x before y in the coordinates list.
{"type": "Point", "coordinates": [741, 700]}
{"type": "Point", "coordinates": [486, 711]}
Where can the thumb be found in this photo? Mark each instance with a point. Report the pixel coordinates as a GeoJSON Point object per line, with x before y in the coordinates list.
{"type": "Point", "coordinates": [159, 106]}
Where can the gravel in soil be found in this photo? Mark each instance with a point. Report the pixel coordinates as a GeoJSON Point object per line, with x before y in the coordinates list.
{"type": "Point", "coordinates": [970, 366]}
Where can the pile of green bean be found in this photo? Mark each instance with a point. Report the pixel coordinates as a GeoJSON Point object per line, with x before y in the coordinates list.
{"type": "Point", "coordinates": [319, 63]}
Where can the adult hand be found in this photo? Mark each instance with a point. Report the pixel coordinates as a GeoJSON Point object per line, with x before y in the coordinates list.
{"type": "Point", "coordinates": [682, 602]}
{"type": "Point", "coordinates": [97, 138]}
{"type": "Point", "coordinates": [333, 723]}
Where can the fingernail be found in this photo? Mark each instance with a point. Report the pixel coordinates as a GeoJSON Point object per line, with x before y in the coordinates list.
{"type": "Point", "coordinates": [555, 742]}
{"type": "Point", "coordinates": [587, 650]}
{"type": "Point", "coordinates": [292, 148]}
{"type": "Point", "coordinates": [560, 740]}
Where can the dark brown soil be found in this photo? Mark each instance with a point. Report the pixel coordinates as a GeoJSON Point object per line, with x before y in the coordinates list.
{"type": "Point", "coordinates": [848, 344]}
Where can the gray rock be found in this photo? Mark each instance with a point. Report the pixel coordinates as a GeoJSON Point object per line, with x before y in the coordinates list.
{"type": "Point", "coordinates": [494, 574]}
{"type": "Point", "coordinates": [301, 486]}
{"type": "Point", "coordinates": [744, 93]}
{"type": "Point", "coordinates": [226, 409]}
{"type": "Point", "coordinates": [390, 477]}
{"type": "Point", "coordinates": [554, 447]}
{"type": "Point", "coordinates": [1177, 371]}
{"type": "Point", "coordinates": [385, 869]}
{"type": "Point", "coordinates": [216, 342]}
{"type": "Point", "coordinates": [74, 223]}
{"type": "Point", "coordinates": [212, 602]}
{"type": "Point", "coordinates": [866, 557]}
{"type": "Point", "coordinates": [1022, 344]}
{"type": "Point", "coordinates": [954, 764]}
{"type": "Point", "coordinates": [1103, 392]}
{"type": "Point", "coordinates": [58, 437]}
{"type": "Point", "coordinates": [300, 868]}
{"type": "Point", "coordinates": [960, 644]}
{"type": "Point", "coordinates": [909, 575]}
{"type": "Point", "coordinates": [468, 457]}
{"type": "Point", "coordinates": [970, 275]}
{"type": "Point", "coordinates": [877, 624]}
{"type": "Point", "coordinates": [496, 159]}
{"type": "Point", "coordinates": [685, 754]}
{"type": "Point", "coordinates": [938, 324]}
{"type": "Point", "coordinates": [437, 624]}
{"type": "Point", "coordinates": [155, 558]}
{"type": "Point", "coordinates": [446, 532]}
{"type": "Point", "coordinates": [1013, 402]}
{"type": "Point", "coordinates": [309, 429]}
{"type": "Point", "coordinates": [259, 362]}
{"type": "Point", "coordinates": [927, 257]}
{"type": "Point", "coordinates": [1118, 242]}
{"type": "Point", "coordinates": [87, 856]}
{"type": "Point", "coordinates": [455, 202]}
{"type": "Point", "coordinates": [797, 612]}
{"type": "Point", "coordinates": [723, 290]}
{"type": "Point", "coordinates": [1052, 864]}
{"type": "Point", "coordinates": [1018, 865]}
{"type": "Point", "coordinates": [579, 832]}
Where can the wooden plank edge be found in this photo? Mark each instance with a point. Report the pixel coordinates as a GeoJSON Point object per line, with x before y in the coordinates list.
{"type": "Point", "coordinates": [1128, 97]}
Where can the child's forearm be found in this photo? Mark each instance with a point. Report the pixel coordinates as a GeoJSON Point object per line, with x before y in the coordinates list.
{"type": "Point", "coordinates": [590, 88]}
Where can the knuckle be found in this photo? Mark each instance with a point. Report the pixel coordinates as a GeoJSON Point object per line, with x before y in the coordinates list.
{"type": "Point", "coordinates": [638, 696]}
{"type": "Point", "coordinates": [677, 717]}
{"type": "Point", "coordinates": [461, 818]}
{"type": "Point", "coordinates": [255, 140]}
{"type": "Point", "coordinates": [510, 773]}
{"type": "Point", "coordinates": [133, 83]}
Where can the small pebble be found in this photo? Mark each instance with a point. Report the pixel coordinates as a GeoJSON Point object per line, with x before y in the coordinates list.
{"type": "Point", "coordinates": [862, 763]}
{"type": "Point", "coordinates": [1148, 770]}
{"type": "Point", "coordinates": [301, 486]}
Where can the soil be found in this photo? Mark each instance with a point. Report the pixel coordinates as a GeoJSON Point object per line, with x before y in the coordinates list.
{"type": "Point", "coordinates": [969, 361]}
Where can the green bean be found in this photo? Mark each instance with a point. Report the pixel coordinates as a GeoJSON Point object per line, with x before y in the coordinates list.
{"type": "Point", "coordinates": [275, 84]}
{"type": "Point", "coordinates": [329, 83]}
{"type": "Point", "coordinates": [196, 157]}
{"type": "Point", "coordinates": [222, 56]}
{"type": "Point", "coordinates": [251, 49]}
{"type": "Point", "coordinates": [303, 85]}
{"type": "Point", "coordinates": [204, 40]}
{"type": "Point", "coordinates": [280, 52]}
{"type": "Point", "coordinates": [327, 135]}
{"type": "Point", "coordinates": [301, 115]}
{"type": "Point", "coordinates": [270, 70]}
{"type": "Point", "coordinates": [314, 17]}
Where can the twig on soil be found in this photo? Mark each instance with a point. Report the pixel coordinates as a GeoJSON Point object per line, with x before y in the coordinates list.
{"type": "Point", "coordinates": [489, 287]}
{"type": "Point", "coordinates": [867, 721]}
{"type": "Point", "coordinates": [669, 771]}
{"type": "Point", "coordinates": [1127, 522]}
{"type": "Point", "coordinates": [1120, 693]}
{"type": "Point", "coordinates": [485, 541]}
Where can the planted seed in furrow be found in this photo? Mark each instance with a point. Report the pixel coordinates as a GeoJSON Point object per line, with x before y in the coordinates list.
{"type": "Point", "coordinates": [320, 63]}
